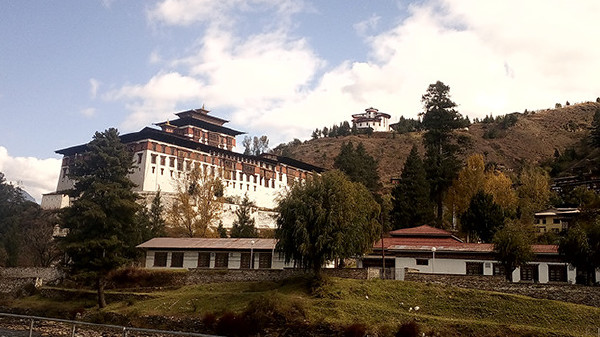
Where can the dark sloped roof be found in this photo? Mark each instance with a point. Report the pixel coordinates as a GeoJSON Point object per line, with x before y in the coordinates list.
{"type": "Point", "coordinates": [171, 138]}
{"type": "Point", "coordinates": [203, 125]}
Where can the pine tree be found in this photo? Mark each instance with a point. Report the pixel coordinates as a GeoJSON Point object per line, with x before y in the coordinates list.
{"type": "Point", "coordinates": [439, 120]}
{"type": "Point", "coordinates": [483, 217]}
{"type": "Point", "coordinates": [243, 226]}
{"type": "Point", "coordinates": [358, 165]}
{"type": "Point", "coordinates": [410, 197]}
{"type": "Point", "coordinates": [103, 231]}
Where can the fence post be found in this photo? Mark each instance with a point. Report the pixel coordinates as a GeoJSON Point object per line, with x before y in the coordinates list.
{"type": "Point", "coordinates": [73, 331]}
{"type": "Point", "coordinates": [124, 332]}
{"type": "Point", "coordinates": [31, 328]}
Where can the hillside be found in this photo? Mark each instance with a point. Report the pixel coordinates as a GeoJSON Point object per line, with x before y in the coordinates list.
{"type": "Point", "coordinates": [299, 307]}
{"type": "Point", "coordinates": [534, 137]}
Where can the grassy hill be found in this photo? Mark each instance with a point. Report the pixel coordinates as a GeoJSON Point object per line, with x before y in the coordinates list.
{"type": "Point", "coordinates": [534, 137]}
{"type": "Point", "coordinates": [297, 307]}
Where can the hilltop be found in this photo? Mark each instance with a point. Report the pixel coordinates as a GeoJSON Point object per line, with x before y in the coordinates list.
{"type": "Point", "coordinates": [534, 137]}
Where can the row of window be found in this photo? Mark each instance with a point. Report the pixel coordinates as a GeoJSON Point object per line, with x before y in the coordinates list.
{"type": "Point", "coordinates": [221, 260]}
{"type": "Point", "coordinates": [530, 272]}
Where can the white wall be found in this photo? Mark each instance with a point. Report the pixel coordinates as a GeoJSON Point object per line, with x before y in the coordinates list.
{"type": "Point", "coordinates": [190, 260]}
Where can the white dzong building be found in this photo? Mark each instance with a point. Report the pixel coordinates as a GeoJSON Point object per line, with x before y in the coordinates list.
{"type": "Point", "coordinates": [372, 118]}
{"type": "Point", "coordinates": [162, 156]}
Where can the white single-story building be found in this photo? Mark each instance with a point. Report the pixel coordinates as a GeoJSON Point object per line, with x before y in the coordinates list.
{"type": "Point", "coordinates": [426, 249]}
{"type": "Point", "coordinates": [212, 253]}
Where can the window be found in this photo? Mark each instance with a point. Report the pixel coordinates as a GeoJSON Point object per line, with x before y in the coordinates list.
{"type": "Point", "coordinates": [163, 160]}
{"type": "Point", "coordinates": [254, 179]}
{"type": "Point", "coordinates": [499, 269]}
{"type": "Point", "coordinates": [221, 260]}
{"type": "Point", "coordinates": [474, 268]}
{"type": "Point", "coordinates": [555, 221]}
{"type": "Point", "coordinates": [162, 171]}
{"type": "Point", "coordinates": [177, 259]}
{"type": "Point", "coordinates": [544, 221]}
{"type": "Point", "coordinates": [264, 260]}
{"type": "Point", "coordinates": [139, 160]}
{"type": "Point", "coordinates": [245, 261]}
{"type": "Point", "coordinates": [153, 169]}
{"type": "Point", "coordinates": [557, 273]}
{"type": "Point", "coordinates": [160, 259]}
{"type": "Point", "coordinates": [153, 160]}
{"type": "Point", "coordinates": [422, 262]}
{"type": "Point", "coordinates": [172, 162]}
{"type": "Point", "coordinates": [529, 272]}
{"type": "Point", "coordinates": [203, 260]}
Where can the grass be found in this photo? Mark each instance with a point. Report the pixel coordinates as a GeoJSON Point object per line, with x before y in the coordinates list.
{"type": "Point", "coordinates": [378, 304]}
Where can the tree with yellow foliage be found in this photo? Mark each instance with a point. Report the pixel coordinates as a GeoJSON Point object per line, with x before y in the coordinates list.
{"type": "Point", "coordinates": [196, 208]}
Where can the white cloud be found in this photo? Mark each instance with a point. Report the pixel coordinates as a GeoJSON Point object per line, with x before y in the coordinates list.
{"type": "Point", "coordinates": [36, 176]}
{"type": "Point", "coordinates": [156, 99]}
{"type": "Point", "coordinates": [497, 58]}
{"type": "Point", "coordinates": [88, 112]}
{"type": "Point", "coordinates": [94, 85]}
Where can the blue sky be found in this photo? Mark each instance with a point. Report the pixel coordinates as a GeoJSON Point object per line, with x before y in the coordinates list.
{"type": "Point", "coordinates": [276, 67]}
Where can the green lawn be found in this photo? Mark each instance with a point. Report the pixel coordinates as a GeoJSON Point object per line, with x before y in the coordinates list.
{"type": "Point", "coordinates": [379, 305]}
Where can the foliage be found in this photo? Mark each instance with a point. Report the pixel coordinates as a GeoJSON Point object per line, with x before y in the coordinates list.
{"type": "Point", "coordinates": [255, 146]}
{"type": "Point", "coordinates": [410, 197]}
{"type": "Point", "coordinates": [103, 230]}
{"type": "Point", "coordinates": [152, 219]}
{"type": "Point", "coordinates": [324, 218]}
{"type": "Point", "coordinates": [284, 149]}
{"type": "Point", "coordinates": [533, 192]}
{"type": "Point", "coordinates": [341, 130]}
{"type": "Point", "coordinates": [358, 165]}
{"type": "Point", "coordinates": [483, 217]}
{"type": "Point", "coordinates": [441, 161]}
{"type": "Point", "coordinates": [595, 129]}
{"type": "Point", "coordinates": [25, 230]}
{"type": "Point", "coordinates": [196, 208]}
{"type": "Point", "coordinates": [221, 231]}
{"type": "Point", "coordinates": [406, 125]}
{"type": "Point", "coordinates": [243, 225]}
{"type": "Point", "coordinates": [469, 181]}
{"type": "Point", "coordinates": [581, 247]}
{"type": "Point", "coordinates": [512, 245]}
{"type": "Point", "coordinates": [500, 186]}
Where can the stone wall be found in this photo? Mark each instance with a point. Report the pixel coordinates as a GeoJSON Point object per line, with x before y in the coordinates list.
{"type": "Point", "coordinates": [196, 276]}
{"type": "Point", "coordinates": [551, 291]}
{"type": "Point", "coordinates": [16, 281]}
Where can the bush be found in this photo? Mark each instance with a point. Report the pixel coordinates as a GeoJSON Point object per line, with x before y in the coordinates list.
{"type": "Point", "coordinates": [355, 330]}
{"type": "Point", "coordinates": [410, 329]}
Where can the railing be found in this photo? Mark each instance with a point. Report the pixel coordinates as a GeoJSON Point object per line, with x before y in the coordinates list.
{"type": "Point", "coordinates": [122, 329]}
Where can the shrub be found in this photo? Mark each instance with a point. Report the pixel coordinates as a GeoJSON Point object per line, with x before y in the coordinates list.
{"type": "Point", "coordinates": [410, 329]}
{"type": "Point", "coordinates": [355, 330]}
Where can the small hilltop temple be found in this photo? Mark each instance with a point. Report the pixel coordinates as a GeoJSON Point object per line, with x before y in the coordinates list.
{"type": "Point", "coordinates": [372, 118]}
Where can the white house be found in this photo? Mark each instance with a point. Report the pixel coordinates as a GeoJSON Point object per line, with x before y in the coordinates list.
{"type": "Point", "coordinates": [372, 118]}
{"type": "Point", "coordinates": [190, 253]}
{"type": "Point", "coordinates": [426, 249]}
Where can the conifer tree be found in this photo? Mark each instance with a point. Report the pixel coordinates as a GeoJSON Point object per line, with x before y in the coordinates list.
{"type": "Point", "coordinates": [243, 226]}
{"type": "Point", "coordinates": [358, 165]}
{"type": "Point", "coordinates": [439, 120]}
{"type": "Point", "coordinates": [410, 197]}
{"type": "Point", "coordinates": [483, 217]}
{"type": "Point", "coordinates": [103, 231]}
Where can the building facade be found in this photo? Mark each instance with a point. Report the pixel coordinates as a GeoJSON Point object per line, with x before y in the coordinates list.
{"type": "Point", "coordinates": [425, 249]}
{"type": "Point", "coordinates": [191, 253]}
{"type": "Point", "coordinates": [163, 156]}
{"type": "Point", "coordinates": [372, 118]}
{"type": "Point", "coordinates": [555, 220]}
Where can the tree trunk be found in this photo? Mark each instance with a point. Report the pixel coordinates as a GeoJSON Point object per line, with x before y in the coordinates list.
{"type": "Point", "coordinates": [100, 283]}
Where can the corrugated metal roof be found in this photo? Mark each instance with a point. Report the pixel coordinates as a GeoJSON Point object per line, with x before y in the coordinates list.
{"type": "Point", "coordinates": [467, 248]}
{"type": "Point", "coordinates": [423, 230]}
{"type": "Point", "coordinates": [209, 243]}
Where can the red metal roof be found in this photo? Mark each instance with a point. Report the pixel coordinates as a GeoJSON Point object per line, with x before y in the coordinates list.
{"type": "Point", "coordinates": [422, 231]}
{"type": "Point", "coordinates": [209, 243]}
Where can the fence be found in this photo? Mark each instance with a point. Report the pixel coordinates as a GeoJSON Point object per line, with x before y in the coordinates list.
{"type": "Point", "coordinates": [73, 326]}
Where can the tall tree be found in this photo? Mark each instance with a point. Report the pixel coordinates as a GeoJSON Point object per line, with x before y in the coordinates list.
{"type": "Point", "coordinates": [501, 188]}
{"type": "Point", "coordinates": [533, 192]}
{"type": "Point", "coordinates": [324, 218]}
{"type": "Point", "coordinates": [152, 218]}
{"type": "Point", "coordinates": [243, 225]}
{"type": "Point", "coordinates": [358, 165]}
{"type": "Point", "coordinates": [102, 225]}
{"type": "Point", "coordinates": [196, 208]}
{"type": "Point", "coordinates": [512, 245]}
{"type": "Point", "coordinates": [581, 248]}
{"type": "Point", "coordinates": [483, 217]}
{"type": "Point", "coordinates": [439, 120]}
{"type": "Point", "coordinates": [255, 146]}
{"type": "Point", "coordinates": [469, 181]}
{"type": "Point", "coordinates": [410, 197]}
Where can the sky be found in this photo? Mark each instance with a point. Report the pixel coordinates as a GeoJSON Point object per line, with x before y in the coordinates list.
{"type": "Point", "coordinates": [280, 68]}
